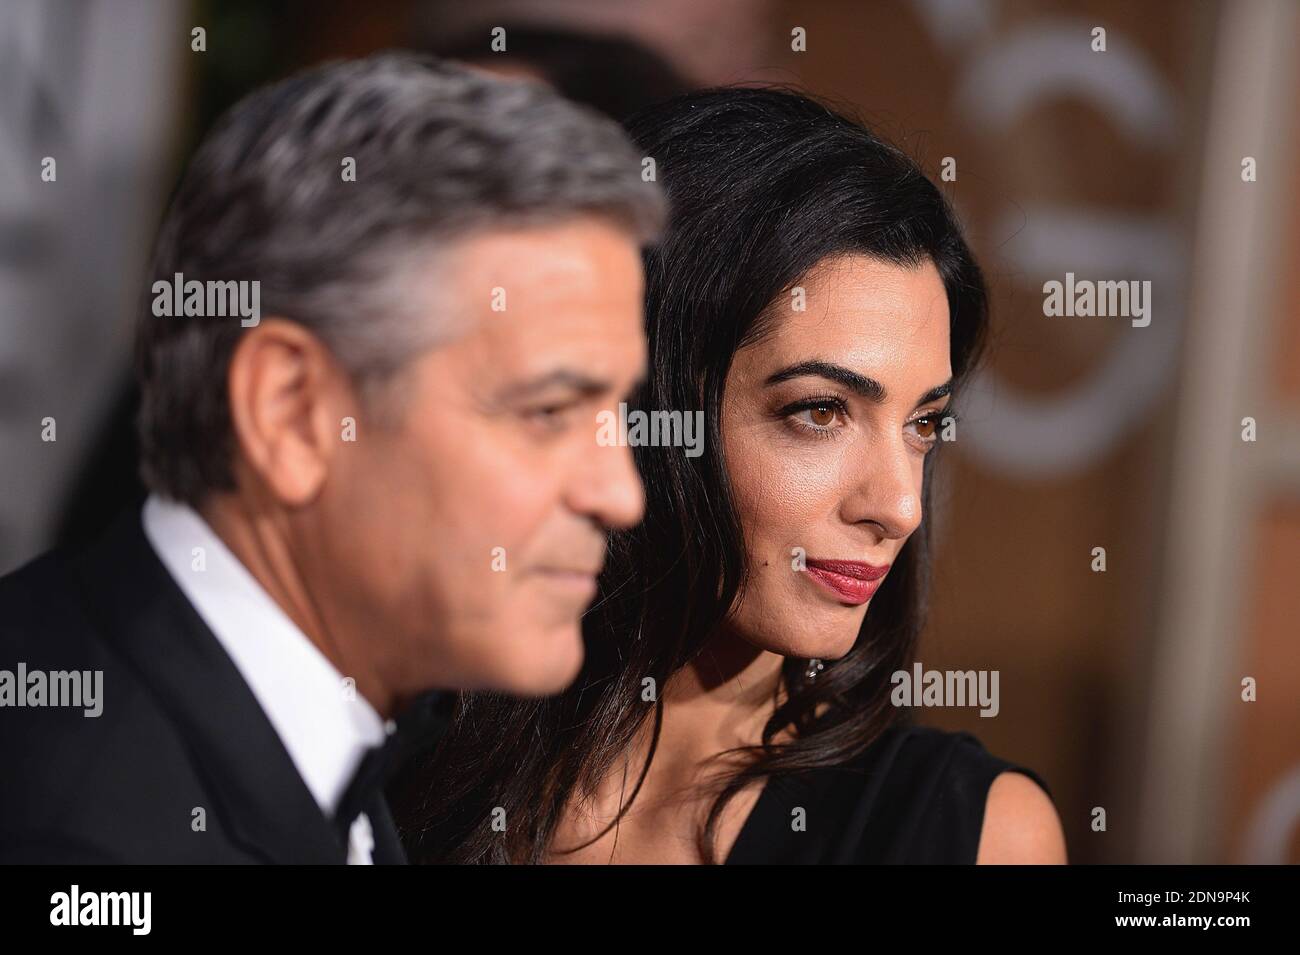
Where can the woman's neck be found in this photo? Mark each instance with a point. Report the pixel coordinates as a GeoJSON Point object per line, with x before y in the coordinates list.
{"type": "Point", "coordinates": [720, 701]}
{"type": "Point", "coordinates": [732, 669]}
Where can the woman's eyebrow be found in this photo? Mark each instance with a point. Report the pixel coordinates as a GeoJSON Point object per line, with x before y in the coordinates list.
{"type": "Point", "coordinates": [866, 387]}
{"type": "Point", "coordinates": [862, 385]}
{"type": "Point", "coordinates": [936, 393]}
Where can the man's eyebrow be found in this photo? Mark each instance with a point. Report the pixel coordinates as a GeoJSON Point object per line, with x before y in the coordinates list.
{"type": "Point", "coordinates": [578, 381]}
{"type": "Point", "coordinates": [862, 385]}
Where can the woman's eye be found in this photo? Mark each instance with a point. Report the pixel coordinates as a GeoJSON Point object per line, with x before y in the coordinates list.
{"type": "Point", "coordinates": [927, 426]}
{"type": "Point", "coordinates": [821, 416]}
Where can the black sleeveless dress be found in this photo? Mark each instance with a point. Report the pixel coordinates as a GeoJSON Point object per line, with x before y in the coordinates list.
{"type": "Point", "coordinates": [916, 796]}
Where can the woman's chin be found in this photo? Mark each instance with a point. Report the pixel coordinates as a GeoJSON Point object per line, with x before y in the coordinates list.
{"type": "Point", "coordinates": [819, 646]}
{"type": "Point", "coordinates": [832, 640]}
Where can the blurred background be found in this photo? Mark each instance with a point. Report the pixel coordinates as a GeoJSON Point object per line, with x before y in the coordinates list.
{"type": "Point", "coordinates": [1159, 697]}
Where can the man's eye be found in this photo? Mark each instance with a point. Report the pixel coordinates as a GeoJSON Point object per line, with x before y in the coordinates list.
{"type": "Point", "coordinates": [552, 417]}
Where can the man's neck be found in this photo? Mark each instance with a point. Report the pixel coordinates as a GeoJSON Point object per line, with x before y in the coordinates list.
{"type": "Point", "coordinates": [261, 540]}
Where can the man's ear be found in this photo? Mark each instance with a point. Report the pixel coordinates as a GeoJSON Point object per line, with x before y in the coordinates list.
{"type": "Point", "coordinates": [287, 394]}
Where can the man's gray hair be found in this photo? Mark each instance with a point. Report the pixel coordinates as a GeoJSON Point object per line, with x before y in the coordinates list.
{"type": "Point", "coordinates": [439, 151]}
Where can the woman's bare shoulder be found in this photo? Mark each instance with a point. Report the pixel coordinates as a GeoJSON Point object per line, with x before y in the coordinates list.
{"type": "Point", "coordinates": [1021, 825]}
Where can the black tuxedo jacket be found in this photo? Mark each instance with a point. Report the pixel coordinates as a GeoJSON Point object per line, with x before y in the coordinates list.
{"type": "Point", "coordinates": [180, 731]}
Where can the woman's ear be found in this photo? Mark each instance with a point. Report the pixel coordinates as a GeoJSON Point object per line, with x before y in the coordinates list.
{"type": "Point", "coordinates": [286, 394]}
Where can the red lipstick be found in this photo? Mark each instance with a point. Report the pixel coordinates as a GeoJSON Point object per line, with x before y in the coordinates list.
{"type": "Point", "coordinates": [852, 581]}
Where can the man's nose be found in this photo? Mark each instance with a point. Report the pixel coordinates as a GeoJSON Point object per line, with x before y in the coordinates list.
{"type": "Point", "coordinates": [609, 490]}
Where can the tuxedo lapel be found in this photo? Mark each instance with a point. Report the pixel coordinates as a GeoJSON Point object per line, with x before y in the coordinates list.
{"type": "Point", "coordinates": [263, 801]}
{"type": "Point", "coordinates": [388, 844]}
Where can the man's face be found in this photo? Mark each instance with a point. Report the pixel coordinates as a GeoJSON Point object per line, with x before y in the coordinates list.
{"type": "Point", "coordinates": [467, 532]}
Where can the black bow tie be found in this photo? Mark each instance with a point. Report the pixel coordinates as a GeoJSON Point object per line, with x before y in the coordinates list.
{"type": "Point", "coordinates": [419, 726]}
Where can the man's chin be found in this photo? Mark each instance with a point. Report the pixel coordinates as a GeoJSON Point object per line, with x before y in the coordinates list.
{"type": "Point", "coordinates": [546, 664]}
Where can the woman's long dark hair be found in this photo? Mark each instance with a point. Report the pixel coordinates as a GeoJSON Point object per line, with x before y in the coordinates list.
{"type": "Point", "coordinates": [764, 184]}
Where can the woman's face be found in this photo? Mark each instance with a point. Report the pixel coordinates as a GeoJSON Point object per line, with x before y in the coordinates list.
{"type": "Point", "coordinates": [825, 426]}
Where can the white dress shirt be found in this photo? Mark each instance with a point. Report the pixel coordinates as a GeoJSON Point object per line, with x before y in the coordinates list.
{"type": "Point", "coordinates": [323, 722]}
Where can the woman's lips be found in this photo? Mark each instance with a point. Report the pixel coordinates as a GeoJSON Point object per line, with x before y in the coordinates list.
{"type": "Point", "coordinates": [851, 581]}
